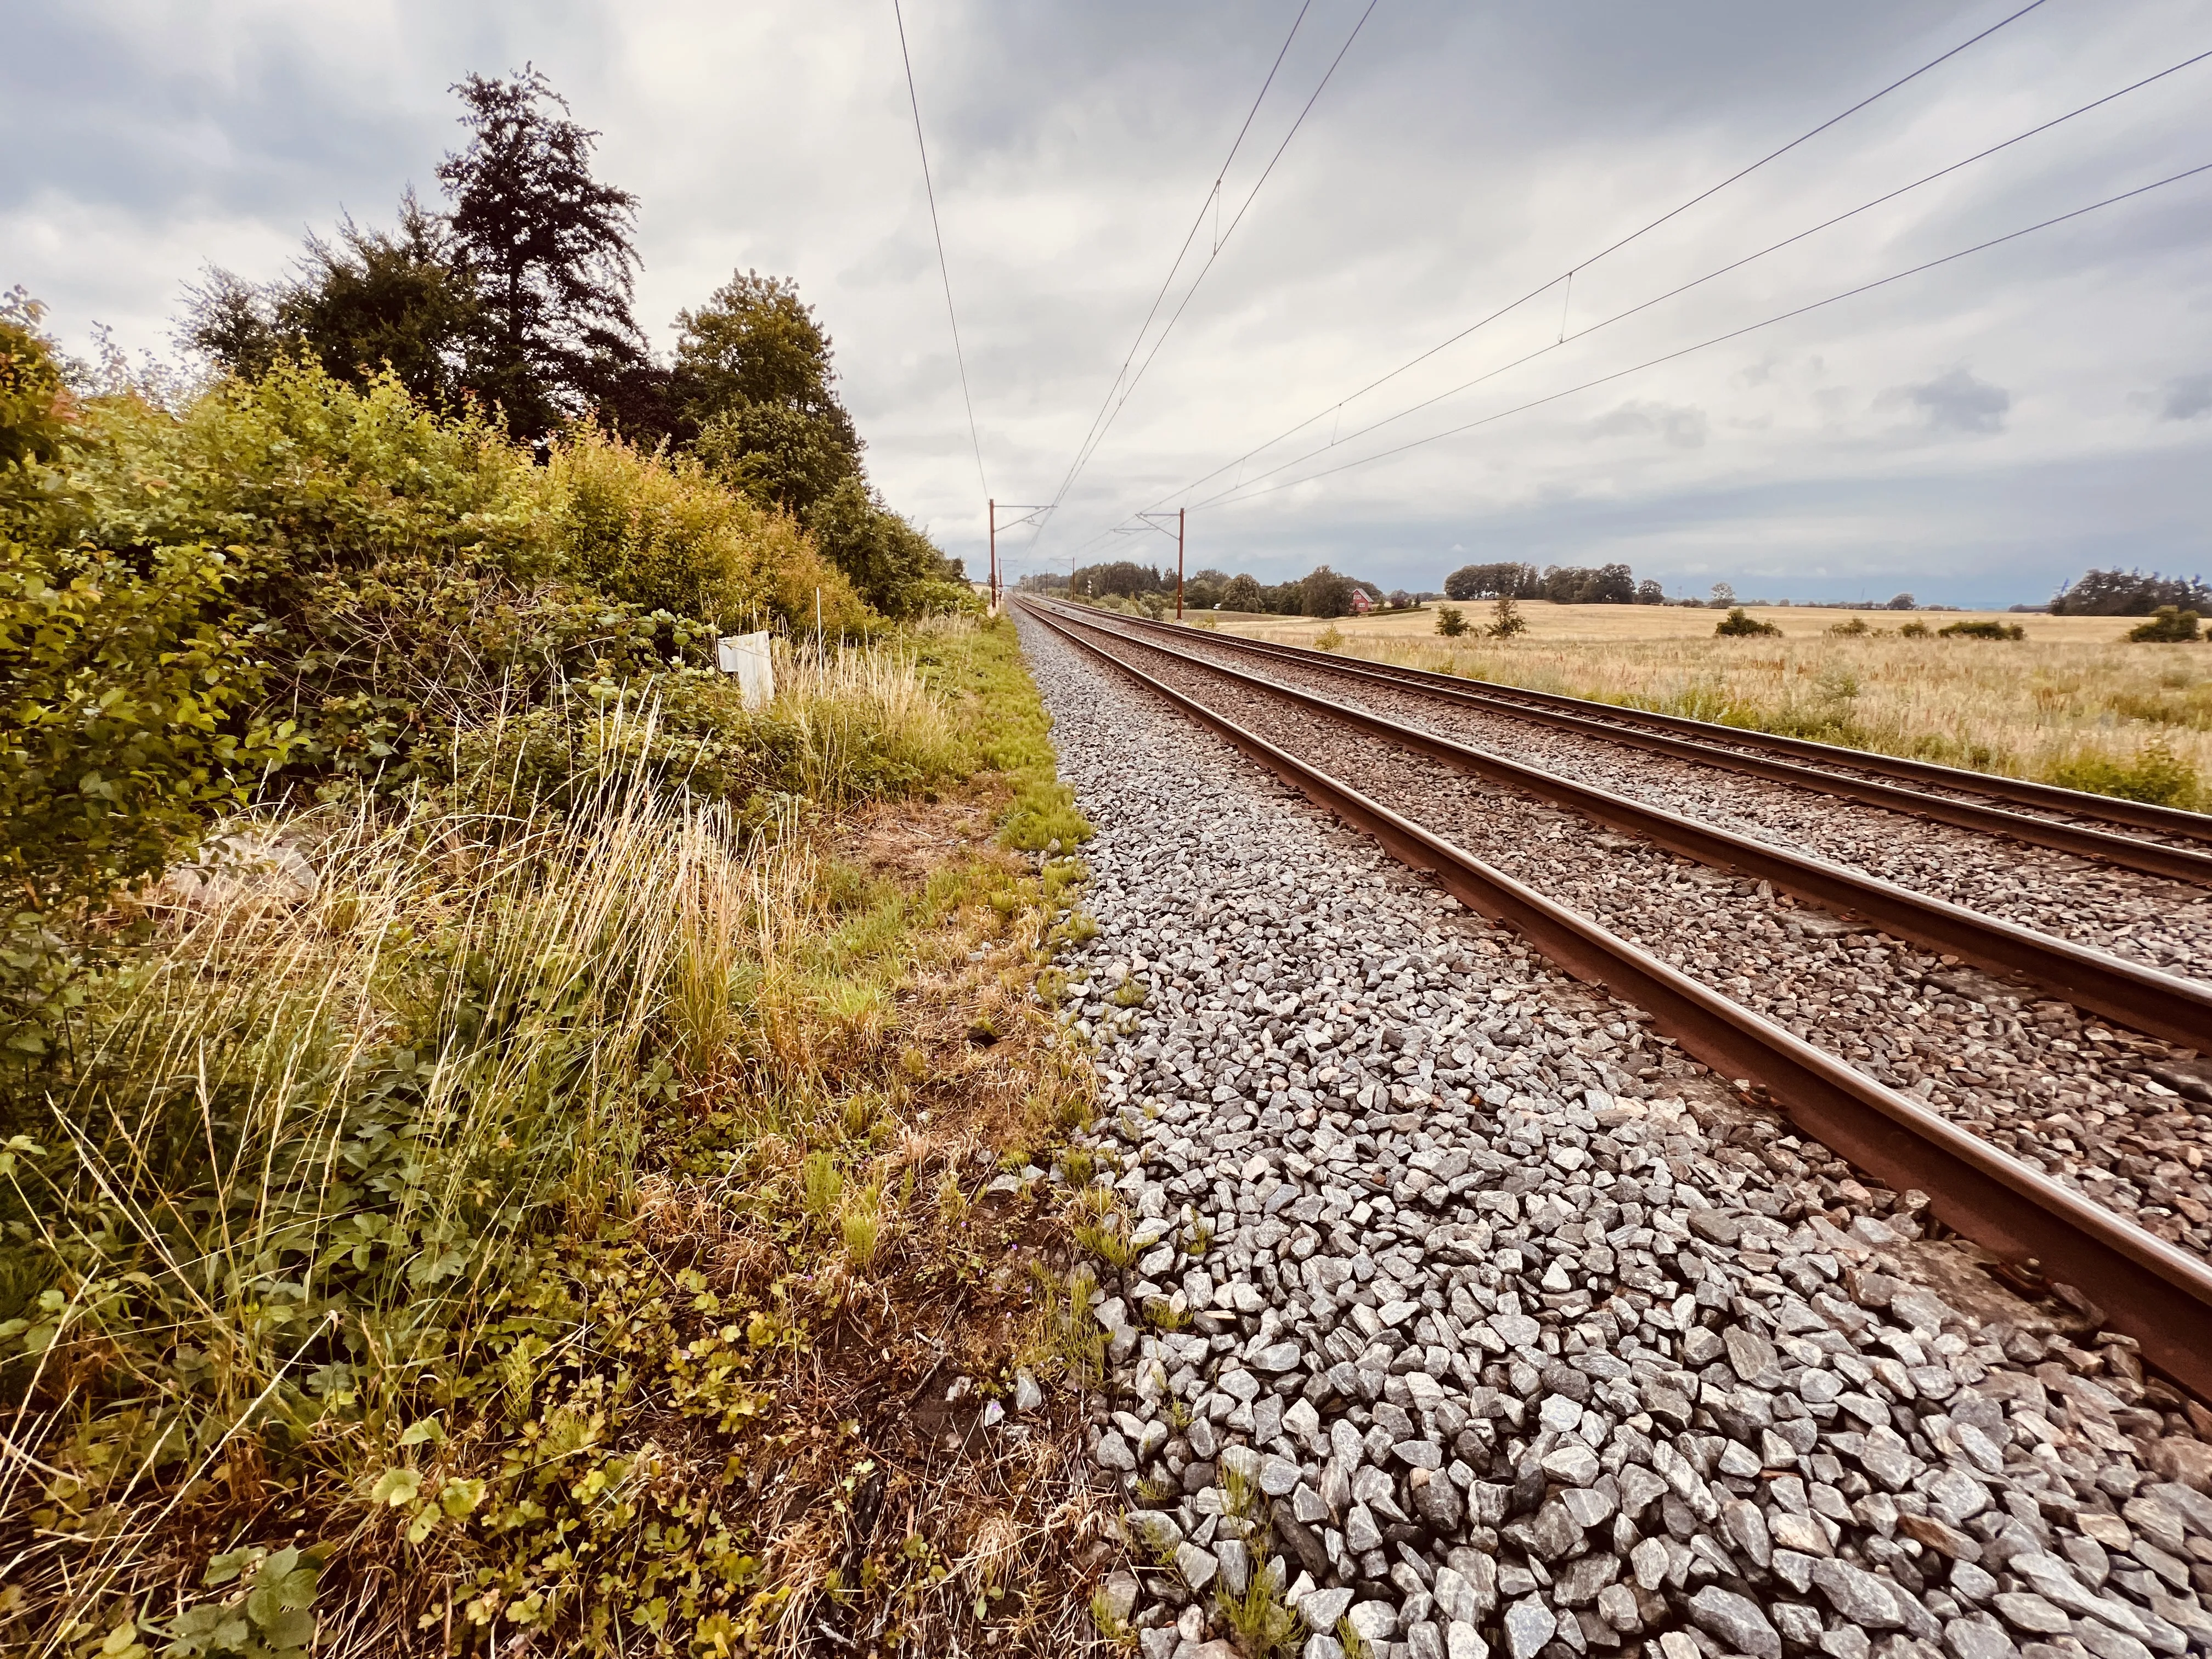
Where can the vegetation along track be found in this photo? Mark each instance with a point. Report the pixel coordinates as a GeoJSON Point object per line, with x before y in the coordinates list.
{"type": "Point", "coordinates": [2048, 1130]}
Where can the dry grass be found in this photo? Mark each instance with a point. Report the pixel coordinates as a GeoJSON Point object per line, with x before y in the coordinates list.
{"type": "Point", "coordinates": [2071, 704]}
{"type": "Point", "coordinates": [453, 1227]}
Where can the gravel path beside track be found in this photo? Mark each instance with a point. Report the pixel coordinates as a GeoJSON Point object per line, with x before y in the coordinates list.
{"type": "Point", "coordinates": [2070, 1096]}
{"type": "Point", "coordinates": [2167, 924]}
{"type": "Point", "coordinates": [1477, 1323]}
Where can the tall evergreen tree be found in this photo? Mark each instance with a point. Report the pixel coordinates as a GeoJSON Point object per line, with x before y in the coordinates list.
{"type": "Point", "coordinates": [548, 248]}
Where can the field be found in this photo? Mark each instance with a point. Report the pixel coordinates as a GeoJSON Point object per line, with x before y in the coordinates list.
{"type": "Point", "coordinates": [2071, 704]}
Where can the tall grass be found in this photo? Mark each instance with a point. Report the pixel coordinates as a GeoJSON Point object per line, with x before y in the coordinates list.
{"type": "Point", "coordinates": [2116, 718]}
{"type": "Point", "coordinates": [318, 1179]}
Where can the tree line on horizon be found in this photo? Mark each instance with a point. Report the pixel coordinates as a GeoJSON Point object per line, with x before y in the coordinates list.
{"type": "Point", "coordinates": [1321, 592]}
{"type": "Point", "coordinates": [1324, 592]}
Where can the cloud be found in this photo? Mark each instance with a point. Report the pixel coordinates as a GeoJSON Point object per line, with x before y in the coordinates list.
{"type": "Point", "coordinates": [2187, 398]}
{"type": "Point", "coordinates": [1958, 402]}
{"type": "Point", "coordinates": [1683, 428]}
{"type": "Point", "coordinates": [1461, 157]}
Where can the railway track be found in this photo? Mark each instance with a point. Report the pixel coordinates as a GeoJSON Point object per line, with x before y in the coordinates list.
{"type": "Point", "coordinates": [2176, 843]}
{"type": "Point", "coordinates": [1420, 804]}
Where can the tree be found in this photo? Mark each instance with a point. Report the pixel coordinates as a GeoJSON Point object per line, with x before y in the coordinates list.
{"type": "Point", "coordinates": [1724, 596]}
{"type": "Point", "coordinates": [1650, 592]}
{"type": "Point", "coordinates": [781, 457]}
{"type": "Point", "coordinates": [1203, 590]}
{"type": "Point", "coordinates": [1243, 593]}
{"type": "Point", "coordinates": [754, 383]}
{"type": "Point", "coordinates": [1900, 602]}
{"type": "Point", "coordinates": [1322, 592]}
{"type": "Point", "coordinates": [756, 341]}
{"type": "Point", "coordinates": [1489, 581]}
{"type": "Point", "coordinates": [1611, 584]}
{"type": "Point", "coordinates": [368, 302]}
{"type": "Point", "coordinates": [894, 566]}
{"type": "Point", "coordinates": [1123, 579]}
{"type": "Point", "coordinates": [2131, 593]}
{"type": "Point", "coordinates": [1451, 621]}
{"type": "Point", "coordinates": [547, 249]}
{"type": "Point", "coordinates": [1506, 619]}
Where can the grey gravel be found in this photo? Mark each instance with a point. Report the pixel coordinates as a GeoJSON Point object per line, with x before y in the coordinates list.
{"type": "Point", "coordinates": [1527, 1337]}
{"type": "Point", "coordinates": [2067, 1094]}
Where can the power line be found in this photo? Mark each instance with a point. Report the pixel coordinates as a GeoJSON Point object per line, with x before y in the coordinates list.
{"type": "Point", "coordinates": [1733, 334]}
{"type": "Point", "coordinates": [1565, 339]}
{"type": "Point", "coordinates": [1583, 264]}
{"type": "Point", "coordinates": [1110, 409]}
{"type": "Point", "coordinates": [1220, 242]}
{"type": "Point", "coordinates": [1189, 236]}
{"type": "Point", "coordinates": [943, 270]}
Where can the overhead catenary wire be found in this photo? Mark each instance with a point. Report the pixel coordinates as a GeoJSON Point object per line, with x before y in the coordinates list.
{"type": "Point", "coordinates": [943, 269]}
{"type": "Point", "coordinates": [1222, 241]}
{"type": "Point", "coordinates": [1118, 393]}
{"type": "Point", "coordinates": [1212, 196]}
{"type": "Point", "coordinates": [1732, 334]}
{"type": "Point", "coordinates": [1237, 490]}
{"type": "Point", "coordinates": [1711, 191]}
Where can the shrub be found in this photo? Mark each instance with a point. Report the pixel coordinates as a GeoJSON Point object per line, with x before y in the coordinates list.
{"type": "Point", "coordinates": [1451, 621]}
{"type": "Point", "coordinates": [1741, 621]}
{"type": "Point", "coordinates": [1852, 630]}
{"type": "Point", "coordinates": [660, 533]}
{"type": "Point", "coordinates": [1982, 630]}
{"type": "Point", "coordinates": [1913, 630]}
{"type": "Point", "coordinates": [1506, 619]}
{"type": "Point", "coordinates": [2155, 775]}
{"type": "Point", "coordinates": [2169, 625]}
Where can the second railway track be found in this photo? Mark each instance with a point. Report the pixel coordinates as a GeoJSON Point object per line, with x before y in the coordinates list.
{"type": "Point", "coordinates": [1880, 1032]}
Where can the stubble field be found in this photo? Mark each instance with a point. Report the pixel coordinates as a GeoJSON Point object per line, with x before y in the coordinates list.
{"type": "Point", "coordinates": [2072, 703]}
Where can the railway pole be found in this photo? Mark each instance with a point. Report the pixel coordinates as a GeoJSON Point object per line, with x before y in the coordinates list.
{"type": "Point", "coordinates": [1029, 514]}
{"type": "Point", "coordinates": [1152, 521]}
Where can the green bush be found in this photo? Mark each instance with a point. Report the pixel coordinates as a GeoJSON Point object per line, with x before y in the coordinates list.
{"type": "Point", "coordinates": [2156, 776]}
{"type": "Point", "coordinates": [1451, 621]}
{"type": "Point", "coordinates": [661, 534]}
{"type": "Point", "coordinates": [1982, 630]}
{"type": "Point", "coordinates": [1740, 621]}
{"type": "Point", "coordinates": [2168, 625]}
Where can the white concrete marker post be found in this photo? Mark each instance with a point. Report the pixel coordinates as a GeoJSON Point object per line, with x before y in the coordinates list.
{"type": "Point", "coordinates": [747, 656]}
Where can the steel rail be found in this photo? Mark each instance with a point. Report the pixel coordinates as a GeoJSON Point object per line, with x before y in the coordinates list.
{"type": "Point", "coordinates": [2152, 1292]}
{"type": "Point", "coordinates": [1725, 745]}
{"type": "Point", "coordinates": [2158, 1004]}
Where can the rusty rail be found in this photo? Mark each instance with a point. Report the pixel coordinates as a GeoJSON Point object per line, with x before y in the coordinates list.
{"type": "Point", "coordinates": [2156, 1293]}
{"type": "Point", "coordinates": [1724, 746]}
{"type": "Point", "coordinates": [2158, 1004]}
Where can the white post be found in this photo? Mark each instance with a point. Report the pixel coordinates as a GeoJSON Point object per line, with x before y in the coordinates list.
{"type": "Point", "coordinates": [747, 656]}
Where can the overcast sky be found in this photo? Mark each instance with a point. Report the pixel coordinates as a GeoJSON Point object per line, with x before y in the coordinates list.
{"type": "Point", "coordinates": [1975, 433]}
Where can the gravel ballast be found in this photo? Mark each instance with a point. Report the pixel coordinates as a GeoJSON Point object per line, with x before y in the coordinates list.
{"type": "Point", "coordinates": [1467, 1318]}
{"type": "Point", "coordinates": [2072, 1097]}
{"type": "Point", "coordinates": [2162, 923]}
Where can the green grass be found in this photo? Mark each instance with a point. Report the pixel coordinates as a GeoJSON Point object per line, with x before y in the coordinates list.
{"type": "Point", "coordinates": [397, 1227]}
{"type": "Point", "coordinates": [980, 665]}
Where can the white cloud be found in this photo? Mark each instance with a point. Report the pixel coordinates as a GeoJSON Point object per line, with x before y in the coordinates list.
{"type": "Point", "coordinates": [1460, 158]}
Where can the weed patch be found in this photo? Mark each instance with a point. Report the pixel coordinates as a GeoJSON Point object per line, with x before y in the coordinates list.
{"type": "Point", "coordinates": [565, 1228]}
